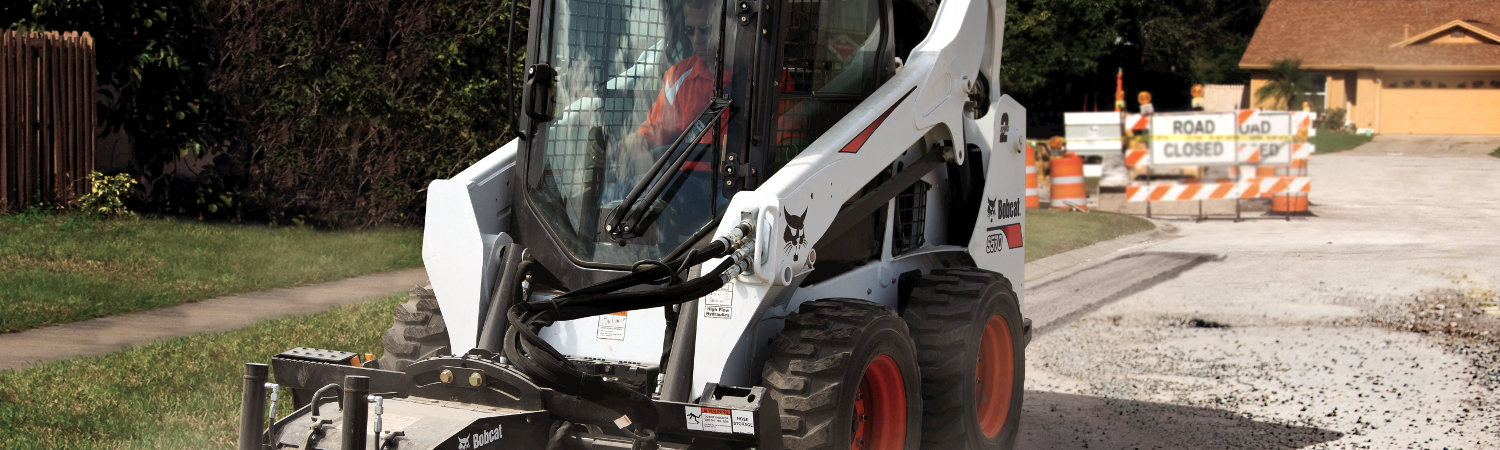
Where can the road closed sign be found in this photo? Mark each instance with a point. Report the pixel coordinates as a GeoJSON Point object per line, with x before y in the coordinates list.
{"type": "Point", "coordinates": [1265, 137]}
{"type": "Point", "coordinates": [1193, 139]}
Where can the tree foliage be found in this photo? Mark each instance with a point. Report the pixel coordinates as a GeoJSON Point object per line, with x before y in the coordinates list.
{"type": "Point", "coordinates": [338, 112]}
{"type": "Point", "coordinates": [330, 112]}
{"type": "Point", "coordinates": [345, 109]}
{"type": "Point", "coordinates": [1285, 84]}
{"type": "Point", "coordinates": [1063, 55]}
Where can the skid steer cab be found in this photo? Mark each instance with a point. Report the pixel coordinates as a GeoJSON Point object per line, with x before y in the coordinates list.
{"type": "Point", "coordinates": [723, 224]}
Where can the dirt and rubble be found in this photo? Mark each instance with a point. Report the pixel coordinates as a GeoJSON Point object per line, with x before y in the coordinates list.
{"type": "Point", "coordinates": [1372, 323]}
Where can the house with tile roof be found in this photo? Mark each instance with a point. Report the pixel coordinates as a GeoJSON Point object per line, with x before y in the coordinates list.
{"type": "Point", "coordinates": [1396, 66]}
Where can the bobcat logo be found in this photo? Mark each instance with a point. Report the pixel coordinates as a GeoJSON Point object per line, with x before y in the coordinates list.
{"type": "Point", "coordinates": [795, 238]}
{"type": "Point", "coordinates": [991, 211]}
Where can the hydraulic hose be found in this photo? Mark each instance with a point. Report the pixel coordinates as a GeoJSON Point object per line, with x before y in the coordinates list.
{"type": "Point", "coordinates": [536, 358]}
{"type": "Point", "coordinates": [715, 249]}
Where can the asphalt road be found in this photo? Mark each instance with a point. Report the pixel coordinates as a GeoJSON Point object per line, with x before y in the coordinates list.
{"type": "Point", "coordinates": [1372, 324]}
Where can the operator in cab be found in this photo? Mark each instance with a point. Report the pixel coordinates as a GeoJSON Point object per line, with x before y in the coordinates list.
{"type": "Point", "coordinates": [688, 84]}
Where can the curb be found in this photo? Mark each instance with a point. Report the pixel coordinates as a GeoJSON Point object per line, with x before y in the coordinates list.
{"type": "Point", "coordinates": [1071, 261]}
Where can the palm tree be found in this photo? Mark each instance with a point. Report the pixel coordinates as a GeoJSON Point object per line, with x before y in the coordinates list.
{"type": "Point", "coordinates": [1287, 82]}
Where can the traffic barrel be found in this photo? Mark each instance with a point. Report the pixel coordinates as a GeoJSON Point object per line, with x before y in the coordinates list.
{"type": "Point", "coordinates": [1032, 200]}
{"type": "Point", "coordinates": [1067, 183]}
{"type": "Point", "coordinates": [1291, 201]}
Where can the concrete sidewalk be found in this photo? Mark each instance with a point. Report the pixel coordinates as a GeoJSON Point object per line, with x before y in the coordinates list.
{"type": "Point", "coordinates": [115, 333]}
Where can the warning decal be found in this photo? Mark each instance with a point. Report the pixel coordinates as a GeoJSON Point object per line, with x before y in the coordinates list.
{"type": "Point", "coordinates": [719, 304]}
{"type": "Point", "coordinates": [612, 326]}
{"type": "Point", "coordinates": [714, 420]}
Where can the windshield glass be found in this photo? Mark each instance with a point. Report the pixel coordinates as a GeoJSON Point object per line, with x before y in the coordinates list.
{"type": "Point", "coordinates": [633, 76]}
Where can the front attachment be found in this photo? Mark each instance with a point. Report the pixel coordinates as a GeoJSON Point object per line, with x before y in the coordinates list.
{"type": "Point", "coordinates": [478, 401]}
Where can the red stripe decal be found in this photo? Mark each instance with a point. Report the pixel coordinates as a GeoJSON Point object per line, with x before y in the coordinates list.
{"type": "Point", "coordinates": [1012, 235]}
{"type": "Point", "coordinates": [859, 141]}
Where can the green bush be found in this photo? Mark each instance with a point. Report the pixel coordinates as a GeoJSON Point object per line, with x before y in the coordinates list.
{"type": "Point", "coordinates": [1332, 119]}
{"type": "Point", "coordinates": [333, 112]}
{"type": "Point", "coordinates": [350, 107]}
{"type": "Point", "coordinates": [107, 194]}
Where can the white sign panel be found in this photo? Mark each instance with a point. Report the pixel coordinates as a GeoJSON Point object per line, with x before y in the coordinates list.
{"type": "Point", "coordinates": [1193, 139]}
{"type": "Point", "coordinates": [1265, 137]}
{"type": "Point", "coordinates": [1092, 132]}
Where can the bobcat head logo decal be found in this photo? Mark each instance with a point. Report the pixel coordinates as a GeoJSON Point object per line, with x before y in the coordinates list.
{"type": "Point", "coordinates": [991, 211]}
{"type": "Point", "coordinates": [793, 234]}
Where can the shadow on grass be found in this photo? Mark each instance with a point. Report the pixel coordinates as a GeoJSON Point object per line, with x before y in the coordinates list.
{"type": "Point", "coordinates": [1053, 420]}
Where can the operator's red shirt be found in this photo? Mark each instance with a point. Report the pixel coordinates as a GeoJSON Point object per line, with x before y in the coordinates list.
{"type": "Point", "coordinates": [686, 89]}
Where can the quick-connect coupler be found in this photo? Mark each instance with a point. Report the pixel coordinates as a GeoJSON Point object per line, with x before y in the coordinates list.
{"type": "Point", "coordinates": [736, 237]}
{"type": "Point", "coordinates": [741, 258]}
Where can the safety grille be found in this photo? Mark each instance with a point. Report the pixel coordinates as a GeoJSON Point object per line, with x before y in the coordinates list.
{"type": "Point", "coordinates": [911, 218]}
{"type": "Point", "coordinates": [610, 56]}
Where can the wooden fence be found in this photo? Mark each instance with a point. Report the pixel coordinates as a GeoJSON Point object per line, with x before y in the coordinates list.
{"type": "Point", "coordinates": [47, 110]}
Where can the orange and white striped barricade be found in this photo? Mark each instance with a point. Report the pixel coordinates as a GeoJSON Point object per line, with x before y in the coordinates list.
{"type": "Point", "coordinates": [1138, 122]}
{"type": "Point", "coordinates": [1032, 200]}
{"type": "Point", "coordinates": [1068, 190]}
{"type": "Point", "coordinates": [1255, 188]}
{"type": "Point", "coordinates": [1263, 137]}
{"type": "Point", "coordinates": [1294, 201]}
{"type": "Point", "coordinates": [1302, 124]}
{"type": "Point", "coordinates": [1189, 141]}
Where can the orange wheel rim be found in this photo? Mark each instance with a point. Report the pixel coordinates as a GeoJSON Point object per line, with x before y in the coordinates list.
{"type": "Point", "coordinates": [994, 373]}
{"type": "Point", "coordinates": [880, 407]}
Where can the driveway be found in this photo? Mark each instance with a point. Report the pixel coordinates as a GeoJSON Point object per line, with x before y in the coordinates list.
{"type": "Point", "coordinates": [1372, 324]}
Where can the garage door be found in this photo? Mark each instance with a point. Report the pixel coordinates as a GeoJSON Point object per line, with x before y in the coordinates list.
{"type": "Point", "coordinates": [1440, 111]}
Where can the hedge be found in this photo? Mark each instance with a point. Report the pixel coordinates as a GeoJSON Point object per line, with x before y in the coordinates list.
{"type": "Point", "coordinates": [333, 113]}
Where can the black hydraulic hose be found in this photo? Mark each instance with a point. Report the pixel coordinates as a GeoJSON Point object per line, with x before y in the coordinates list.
{"type": "Point", "coordinates": [632, 409]}
{"type": "Point", "coordinates": [539, 360]}
{"type": "Point", "coordinates": [578, 307]}
{"type": "Point", "coordinates": [715, 249]}
{"type": "Point", "coordinates": [318, 395]}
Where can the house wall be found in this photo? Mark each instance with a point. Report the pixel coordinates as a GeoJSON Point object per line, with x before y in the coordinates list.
{"type": "Point", "coordinates": [1336, 93]}
{"type": "Point", "coordinates": [1365, 112]}
{"type": "Point", "coordinates": [1258, 79]}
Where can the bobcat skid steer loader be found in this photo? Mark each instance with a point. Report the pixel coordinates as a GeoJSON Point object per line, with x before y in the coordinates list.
{"type": "Point", "coordinates": [725, 224]}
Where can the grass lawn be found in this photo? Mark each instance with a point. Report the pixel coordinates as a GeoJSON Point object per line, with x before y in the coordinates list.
{"type": "Point", "coordinates": [184, 392]}
{"type": "Point", "coordinates": [57, 268]}
{"type": "Point", "coordinates": [180, 393]}
{"type": "Point", "coordinates": [1330, 141]}
{"type": "Point", "coordinates": [1049, 232]}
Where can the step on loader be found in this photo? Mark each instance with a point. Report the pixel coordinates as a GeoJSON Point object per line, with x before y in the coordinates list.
{"type": "Point", "coordinates": [722, 224]}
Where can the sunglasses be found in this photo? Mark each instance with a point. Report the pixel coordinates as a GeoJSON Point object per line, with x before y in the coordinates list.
{"type": "Point", "coordinates": [702, 29]}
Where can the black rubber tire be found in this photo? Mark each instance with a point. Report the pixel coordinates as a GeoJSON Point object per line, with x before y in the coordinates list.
{"type": "Point", "coordinates": [417, 331]}
{"type": "Point", "coordinates": [948, 311]}
{"type": "Point", "coordinates": [816, 365]}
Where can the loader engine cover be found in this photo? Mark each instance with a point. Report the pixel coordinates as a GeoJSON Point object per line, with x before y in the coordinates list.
{"type": "Point", "coordinates": [417, 423]}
